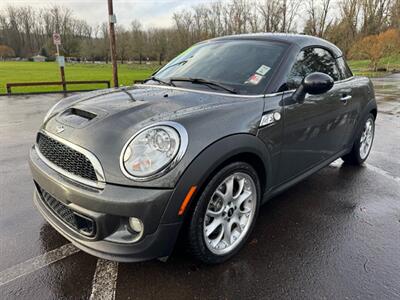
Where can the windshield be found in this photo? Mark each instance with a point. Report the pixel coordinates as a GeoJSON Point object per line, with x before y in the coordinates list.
{"type": "Point", "coordinates": [242, 65]}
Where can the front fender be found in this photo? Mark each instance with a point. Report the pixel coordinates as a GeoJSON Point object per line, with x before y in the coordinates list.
{"type": "Point", "coordinates": [210, 161]}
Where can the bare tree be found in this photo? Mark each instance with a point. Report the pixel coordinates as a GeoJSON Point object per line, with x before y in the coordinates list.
{"type": "Point", "coordinates": [124, 49]}
{"type": "Point", "coordinates": [138, 40]}
{"type": "Point", "coordinates": [183, 25]}
{"type": "Point", "coordinates": [375, 16]}
{"type": "Point", "coordinates": [270, 15]}
{"type": "Point", "coordinates": [290, 9]}
{"type": "Point", "coordinates": [395, 14]}
{"type": "Point", "coordinates": [317, 21]}
{"type": "Point", "coordinates": [29, 30]}
{"type": "Point", "coordinates": [344, 29]}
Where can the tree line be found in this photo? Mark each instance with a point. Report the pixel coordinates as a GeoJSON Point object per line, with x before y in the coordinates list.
{"type": "Point", "coordinates": [27, 31]}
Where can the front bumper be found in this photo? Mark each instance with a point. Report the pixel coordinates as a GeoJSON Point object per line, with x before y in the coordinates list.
{"type": "Point", "coordinates": [109, 209]}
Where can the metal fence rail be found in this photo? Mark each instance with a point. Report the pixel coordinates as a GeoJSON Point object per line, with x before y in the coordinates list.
{"type": "Point", "coordinates": [61, 83]}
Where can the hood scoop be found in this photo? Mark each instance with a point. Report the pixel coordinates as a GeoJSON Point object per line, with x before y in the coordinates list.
{"type": "Point", "coordinates": [76, 117]}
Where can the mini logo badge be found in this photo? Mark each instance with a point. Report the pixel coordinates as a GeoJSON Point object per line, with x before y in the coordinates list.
{"type": "Point", "coordinates": [60, 129]}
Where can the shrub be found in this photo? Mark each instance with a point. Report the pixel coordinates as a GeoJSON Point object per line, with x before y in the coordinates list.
{"type": "Point", "coordinates": [374, 47]}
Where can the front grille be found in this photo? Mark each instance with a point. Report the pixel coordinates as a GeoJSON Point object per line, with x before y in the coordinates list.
{"type": "Point", "coordinates": [76, 221]}
{"type": "Point", "coordinates": [65, 157]}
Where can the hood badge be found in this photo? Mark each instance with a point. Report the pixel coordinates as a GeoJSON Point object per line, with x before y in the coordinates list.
{"type": "Point", "coordinates": [60, 129]}
{"type": "Point", "coordinates": [270, 118]}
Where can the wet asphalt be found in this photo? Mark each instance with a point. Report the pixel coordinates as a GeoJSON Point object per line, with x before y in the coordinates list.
{"type": "Point", "coordinates": [336, 235]}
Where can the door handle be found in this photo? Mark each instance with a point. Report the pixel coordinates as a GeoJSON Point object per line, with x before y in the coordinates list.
{"type": "Point", "coordinates": [345, 98]}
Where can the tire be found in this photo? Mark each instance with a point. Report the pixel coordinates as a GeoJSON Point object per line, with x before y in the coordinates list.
{"type": "Point", "coordinates": [222, 221]}
{"type": "Point", "coordinates": [363, 142]}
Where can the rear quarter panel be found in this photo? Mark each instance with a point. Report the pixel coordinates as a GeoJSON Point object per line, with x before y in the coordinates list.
{"type": "Point", "coordinates": [362, 102]}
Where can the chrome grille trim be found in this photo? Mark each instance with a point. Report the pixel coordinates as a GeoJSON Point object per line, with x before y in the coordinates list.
{"type": "Point", "coordinates": [100, 183]}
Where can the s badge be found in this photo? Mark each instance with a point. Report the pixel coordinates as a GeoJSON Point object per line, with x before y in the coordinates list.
{"type": "Point", "coordinates": [270, 118]}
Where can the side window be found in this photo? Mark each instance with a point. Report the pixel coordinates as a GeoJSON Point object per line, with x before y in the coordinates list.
{"type": "Point", "coordinates": [312, 60]}
{"type": "Point", "coordinates": [344, 68]}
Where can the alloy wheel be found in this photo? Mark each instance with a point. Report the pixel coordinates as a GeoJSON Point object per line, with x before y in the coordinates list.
{"type": "Point", "coordinates": [230, 213]}
{"type": "Point", "coordinates": [367, 137]}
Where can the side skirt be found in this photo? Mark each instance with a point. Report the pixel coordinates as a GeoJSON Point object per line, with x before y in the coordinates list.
{"type": "Point", "coordinates": [283, 187]}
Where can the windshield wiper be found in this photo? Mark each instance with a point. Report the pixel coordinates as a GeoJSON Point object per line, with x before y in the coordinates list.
{"type": "Point", "coordinates": [203, 81]}
{"type": "Point", "coordinates": [158, 80]}
{"type": "Point", "coordinates": [182, 62]}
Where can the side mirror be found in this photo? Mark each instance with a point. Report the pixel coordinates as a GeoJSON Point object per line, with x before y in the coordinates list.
{"type": "Point", "coordinates": [315, 83]}
{"type": "Point", "coordinates": [294, 82]}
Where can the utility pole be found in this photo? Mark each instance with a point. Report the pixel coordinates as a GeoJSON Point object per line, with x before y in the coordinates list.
{"type": "Point", "coordinates": [111, 21]}
{"type": "Point", "coordinates": [60, 59]}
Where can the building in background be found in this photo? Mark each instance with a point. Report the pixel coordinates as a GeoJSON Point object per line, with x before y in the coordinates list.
{"type": "Point", "coordinates": [39, 58]}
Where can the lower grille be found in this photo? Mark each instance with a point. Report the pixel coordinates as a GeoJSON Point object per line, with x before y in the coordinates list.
{"type": "Point", "coordinates": [74, 220]}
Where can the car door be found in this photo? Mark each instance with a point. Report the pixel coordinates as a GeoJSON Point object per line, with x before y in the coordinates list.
{"type": "Point", "coordinates": [314, 130]}
{"type": "Point", "coordinates": [357, 94]}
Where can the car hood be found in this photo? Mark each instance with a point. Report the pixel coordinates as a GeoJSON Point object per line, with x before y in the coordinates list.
{"type": "Point", "coordinates": [136, 105]}
{"type": "Point", "coordinates": [103, 121]}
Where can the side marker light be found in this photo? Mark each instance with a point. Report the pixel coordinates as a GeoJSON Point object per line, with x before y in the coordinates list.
{"type": "Point", "coordinates": [186, 200]}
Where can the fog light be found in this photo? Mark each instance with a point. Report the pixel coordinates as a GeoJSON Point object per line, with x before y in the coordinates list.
{"type": "Point", "coordinates": [128, 232]}
{"type": "Point", "coordinates": [136, 225]}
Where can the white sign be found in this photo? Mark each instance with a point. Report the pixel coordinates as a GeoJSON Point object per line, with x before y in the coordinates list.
{"type": "Point", "coordinates": [61, 61]}
{"type": "Point", "coordinates": [112, 19]}
{"type": "Point", "coordinates": [263, 70]}
{"type": "Point", "coordinates": [56, 39]}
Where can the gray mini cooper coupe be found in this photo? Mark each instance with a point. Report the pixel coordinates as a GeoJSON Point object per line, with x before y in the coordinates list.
{"type": "Point", "coordinates": [195, 150]}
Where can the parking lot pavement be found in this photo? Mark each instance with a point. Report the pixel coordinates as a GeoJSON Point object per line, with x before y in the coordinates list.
{"type": "Point", "coordinates": [334, 235]}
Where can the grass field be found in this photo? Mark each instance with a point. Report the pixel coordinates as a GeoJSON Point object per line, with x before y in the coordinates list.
{"type": "Point", "coordinates": [362, 67]}
{"type": "Point", "coordinates": [49, 71]}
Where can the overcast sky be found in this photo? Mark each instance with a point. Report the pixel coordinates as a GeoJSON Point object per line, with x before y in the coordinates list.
{"type": "Point", "coordinates": [150, 13]}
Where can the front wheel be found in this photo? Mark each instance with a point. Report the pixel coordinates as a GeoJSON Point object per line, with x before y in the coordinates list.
{"type": "Point", "coordinates": [363, 144]}
{"type": "Point", "coordinates": [225, 214]}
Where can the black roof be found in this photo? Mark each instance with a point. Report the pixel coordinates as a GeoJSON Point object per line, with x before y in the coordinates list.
{"type": "Point", "coordinates": [300, 40]}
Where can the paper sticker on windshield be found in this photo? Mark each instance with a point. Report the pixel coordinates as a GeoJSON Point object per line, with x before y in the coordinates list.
{"type": "Point", "coordinates": [263, 70]}
{"type": "Point", "coordinates": [254, 79]}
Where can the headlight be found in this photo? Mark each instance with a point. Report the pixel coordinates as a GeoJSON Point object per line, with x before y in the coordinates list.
{"type": "Point", "coordinates": [153, 151]}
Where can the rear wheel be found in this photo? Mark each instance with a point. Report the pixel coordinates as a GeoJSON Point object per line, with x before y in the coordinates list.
{"type": "Point", "coordinates": [225, 214]}
{"type": "Point", "coordinates": [363, 144]}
